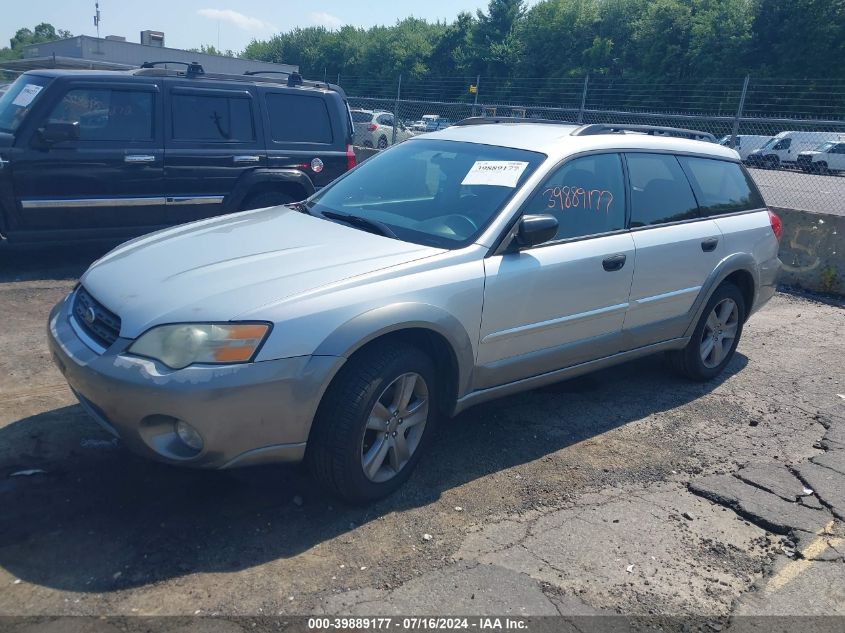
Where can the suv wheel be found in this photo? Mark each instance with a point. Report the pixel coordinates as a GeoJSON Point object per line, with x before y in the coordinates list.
{"type": "Point", "coordinates": [715, 337]}
{"type": "Point", "coordinates": [382, 142]}
{"type": "Point", "coordinates": [821, 168]}
{"type": "Point", "coordinates": [373, 423]}
{"type": "Point", "coordinates": [771, 162]}
{"type": "Point", "coordinates": [265, 199]}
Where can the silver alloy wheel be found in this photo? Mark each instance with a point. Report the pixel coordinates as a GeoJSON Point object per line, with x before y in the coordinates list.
{"type": "Point", "coordinates": [719, 333]}
{"type": "Point", "coordinates": [395, 427]}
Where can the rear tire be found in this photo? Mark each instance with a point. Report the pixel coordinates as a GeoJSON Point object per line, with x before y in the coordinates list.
{"type": "Point", "coordinates": [354, 450]}
{"type": "Point", "coordinates": [771, 162]}
{"type": "Point", "coordinates": [715, 337]}
{"type": "Point", "coordinates": [382, 142]}
{"type": "Point", "coordinates": [266, 199]}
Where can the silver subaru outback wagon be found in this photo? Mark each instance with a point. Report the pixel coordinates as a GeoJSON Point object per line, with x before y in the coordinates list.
{"type": "Point", "coordinates": [463, 265]}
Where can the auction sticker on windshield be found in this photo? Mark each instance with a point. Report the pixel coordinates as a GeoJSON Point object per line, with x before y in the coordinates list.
{"type": "Point", "coordinates": [500, 173]}
{"type": "Point", "coordinates": [26, 95]}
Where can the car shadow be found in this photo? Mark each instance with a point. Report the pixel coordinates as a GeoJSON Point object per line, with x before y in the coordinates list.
{"type": "Point", "coordinates": [58, 262]}
{"type": "Point", "coordinates": [99, 519]}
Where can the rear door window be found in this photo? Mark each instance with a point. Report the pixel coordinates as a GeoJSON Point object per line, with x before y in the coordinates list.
{"type": "Point", "coordinates": [586, 195]}
{"type": "Point", "coordinates": [660, 192]}
{"type": "Point", "coordinates": [212, 117]}
{"type": "Point", "coordinates": [721, 186]}
{"type": "Point", "coordinates": [296, 118]}
{"type": "Point", "coordinates": [105, 114]}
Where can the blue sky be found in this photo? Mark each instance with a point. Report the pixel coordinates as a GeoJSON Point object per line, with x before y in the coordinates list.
{"type": "Point", "coordinates": [189, 23]}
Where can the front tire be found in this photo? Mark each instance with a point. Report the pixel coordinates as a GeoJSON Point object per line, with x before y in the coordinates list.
{"type": "Point", "coordinates": [715, 337]}
{"type": "Point", "coordinates": [373, 423]}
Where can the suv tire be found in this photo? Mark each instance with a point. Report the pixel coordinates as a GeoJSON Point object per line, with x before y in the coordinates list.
{"type": "Point", "coordinates": [715, 337]}
{"type": "Point", "coordinates": [265, 199]}
{"type": "Point", "coordinates": [378, 396]}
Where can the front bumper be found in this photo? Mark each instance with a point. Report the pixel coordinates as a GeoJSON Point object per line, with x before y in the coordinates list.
{"type": "Point", "coordinates": [246, 413]}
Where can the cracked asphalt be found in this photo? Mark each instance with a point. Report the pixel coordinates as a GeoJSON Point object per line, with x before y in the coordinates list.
{"type": "Point", "coordinates": [627, 491]}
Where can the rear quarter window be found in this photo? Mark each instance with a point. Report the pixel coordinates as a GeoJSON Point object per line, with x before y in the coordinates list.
{"type": "Point", "coordinates": [660, 192]}
{"type": "Point", "coordinates": [721, 186]}
{"type": "Point", "coordinates": [298, 119]}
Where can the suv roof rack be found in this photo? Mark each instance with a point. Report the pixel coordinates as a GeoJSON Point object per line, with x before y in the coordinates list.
{"type": "Point", "coordinates": [484, 120]}
{"type": "Point", "coordinates": [195, 71]}
{"type": "Point", "coordinates": [192, 69]}
{"type": "Point", "coordinates": [653, 130]}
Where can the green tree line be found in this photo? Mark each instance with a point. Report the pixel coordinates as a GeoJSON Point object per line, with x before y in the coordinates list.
{"type": "Point", "coordinates": [668, 42]}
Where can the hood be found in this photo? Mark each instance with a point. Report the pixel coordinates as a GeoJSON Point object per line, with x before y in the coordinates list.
{"type": "Point", "coordinates": [216, 269]}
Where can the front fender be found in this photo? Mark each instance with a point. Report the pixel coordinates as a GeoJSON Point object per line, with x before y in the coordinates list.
{"type": "Point", "coordinates": [368, 326]}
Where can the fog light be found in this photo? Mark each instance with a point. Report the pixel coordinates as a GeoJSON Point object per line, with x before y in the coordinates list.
{"type": "Point", "coordinates": [189, 435]}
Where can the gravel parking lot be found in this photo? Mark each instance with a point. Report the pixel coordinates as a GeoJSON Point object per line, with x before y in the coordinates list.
{"type": "Point", "coordinates": [628, 491]}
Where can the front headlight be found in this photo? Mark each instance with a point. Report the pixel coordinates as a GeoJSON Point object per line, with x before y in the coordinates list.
{"type": "Point", "coordinates": [184, 344]}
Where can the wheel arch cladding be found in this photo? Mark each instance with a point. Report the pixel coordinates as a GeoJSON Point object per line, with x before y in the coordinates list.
{"type": "Point", "coordinates": [428, 327]}
{"type": "Point", "coordinates": [741, 270]}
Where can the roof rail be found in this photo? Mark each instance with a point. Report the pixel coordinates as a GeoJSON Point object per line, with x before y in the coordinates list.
{"type": "Point", "coordinates": [654, 130]}
{"type": "Point", "coordinates": [192, 69]}
{"type": "Point", "coordinates": [149, 68]}
{"type": "Point", "coordinates": [484, 120]}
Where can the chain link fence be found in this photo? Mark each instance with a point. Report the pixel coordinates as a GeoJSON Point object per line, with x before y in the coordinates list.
{"type": "Point", "coordinates": [791, 134]}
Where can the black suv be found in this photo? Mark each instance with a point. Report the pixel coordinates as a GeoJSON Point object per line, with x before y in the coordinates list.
{"type": "Point", "coordinates": [106, 154]}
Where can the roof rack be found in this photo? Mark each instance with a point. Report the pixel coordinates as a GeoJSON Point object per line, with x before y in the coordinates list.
{"type": "Point", "coordinates": [654, 130]}
{"type": "Point", "coordinates": [485, 120]}
{"type": "Point", "coordinates": [195, 71]}
{"type": "Point", "coordinates": [192, 69]}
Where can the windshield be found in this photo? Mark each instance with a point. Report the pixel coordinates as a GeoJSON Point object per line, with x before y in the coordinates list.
{"type": "Point", "coordinates": [18, 100]}
{"type": "Point", "coordinates": [825, 146]}
{"type": "Point", "coordinates": [771, 142]}
{"type": "Point", "coordinates": [432, 192]}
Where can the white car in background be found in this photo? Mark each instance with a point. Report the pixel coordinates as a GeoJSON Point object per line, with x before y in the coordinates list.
{"type": "Point", "coordinates": [827, 158]}
{"type": "Point", "coordinates": [745, 143]}
{"type": "Point", "coordinates": [787, 146]}
{"type": "Point", "coordinates": [374, 128]}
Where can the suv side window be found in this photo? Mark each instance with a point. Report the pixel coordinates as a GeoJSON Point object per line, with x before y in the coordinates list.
{"type": "Point", "coordinates": [783, 143]}
{"type": "Point", "coordinates": [660, 192]}
{"type": "Point", "coordinates": [106, 114]}
{"type": "Point", "coordinates": [200, 117]}
{"type": "Point", "coordinates": [586, 195]}
{"type": "Point", "coordinates": [298, 118]}
{"type": "Point", "coordinates": [721, 186]}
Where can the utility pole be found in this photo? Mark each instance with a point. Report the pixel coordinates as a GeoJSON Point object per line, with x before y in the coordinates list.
{"type": "Point", "coordinates": [735, 129]}
{"type": "Point", "coordinates": [97, 18]}
{"type": "Point", "coordinates": [583, 99]}
{"type": "Point", "coordinates": [475, 103]}
{"type": "Point", "coordinates": [396, 109]}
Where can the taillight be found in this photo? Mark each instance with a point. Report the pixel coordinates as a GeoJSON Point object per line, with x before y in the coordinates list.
{"type": "Point", "coordinates": [777, 225]}
{"type": "Point", "coordinates": [351, 161]}
{"type": "Point", "coordinates": [372, 127]}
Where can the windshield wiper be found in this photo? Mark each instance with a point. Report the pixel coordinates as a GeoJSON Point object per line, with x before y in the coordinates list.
{"type": "Point", "coordinates": [373, 226]}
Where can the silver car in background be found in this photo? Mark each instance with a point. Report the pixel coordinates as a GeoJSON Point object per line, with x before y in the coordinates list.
{"type": "Point", "coordinates": [459, 266]}
{"type": "Point", "coordinates": [374, 128]}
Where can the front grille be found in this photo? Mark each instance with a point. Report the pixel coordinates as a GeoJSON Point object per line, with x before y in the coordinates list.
{"type": "Point", "coordinates": [95, 319]}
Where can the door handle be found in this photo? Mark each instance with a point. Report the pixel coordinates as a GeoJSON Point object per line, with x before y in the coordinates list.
{"type": "Point", "coordinates": [139, 158]}
{"type": "Point", "coordinates": [709, 245]}
{"type": "Point", "coordinates": [614, 262]}
{"type": "Point", "coordinates": [251, 158]}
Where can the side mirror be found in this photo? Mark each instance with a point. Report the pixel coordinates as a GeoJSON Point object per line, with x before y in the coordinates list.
{"type": "Point", "coordinates": [536, 229]}
{"type": "Point", "coordinates": [53, 133]}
